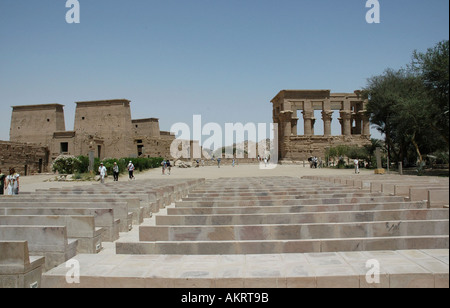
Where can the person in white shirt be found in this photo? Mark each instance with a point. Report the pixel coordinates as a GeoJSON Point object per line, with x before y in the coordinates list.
{"type": "Point", "coordinates": [12, 182]}
{"type": "Point", "coordinates": [131, 170]}
{"type": "Point", "coordinates": [116, 172]}
{"type": "Point", "coordinates": [102, 171]}
{"type": "Point", "coordinates": [356, 162]}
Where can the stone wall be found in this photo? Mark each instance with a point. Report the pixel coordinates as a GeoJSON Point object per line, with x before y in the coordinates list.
{"type": "Point", "coordinates": [25, 158]}
{"type": "Point", "coordinates": [37, 123]}
{"type": "Point", "coordinates": [300, 148]}
{"type": "Point", "coordinates": [109, 120]}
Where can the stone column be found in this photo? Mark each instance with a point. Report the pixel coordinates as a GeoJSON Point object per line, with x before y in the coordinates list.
{"type": "Point", "coordinates": [286, 118]}
{"type": "Point", "coordinates": [327, 117]}
{"type": "Point", "coordinates": [346, 116]}
{"type": "Point", "coordinates": [358, 126]}
{"type": "Point", "coordinates": [308, 117]}
{"type": "Point", "coordinates": [366, 125]}
{"type": "Point", "coordinates": [294, 128]}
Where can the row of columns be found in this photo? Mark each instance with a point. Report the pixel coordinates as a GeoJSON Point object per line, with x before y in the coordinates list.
{"type": "Point", "coordinates": [290, 123]}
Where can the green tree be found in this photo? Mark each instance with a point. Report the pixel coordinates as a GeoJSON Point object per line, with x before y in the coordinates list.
{"type": "Point", "coordinates": [397, 106]}
{"type": "Point", "coordinates": [433, 69]}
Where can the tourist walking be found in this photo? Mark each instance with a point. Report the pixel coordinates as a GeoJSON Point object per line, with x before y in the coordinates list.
{"type": "Point", "coordinates": [102, 170]}
{"type": "Point", "coordinates": [2, 182]}
{"type": "Point", "coordinates": [168, 167]}
{"type": "Point", "coordinates": [218, 162]}
{"type": "Point", "coordinates": [12, 182]}
{"type": "Point", "coordinates": [356, 162]}
{"type": "Point", "coordinates": [163, 164]}
{"type": "Point", "coordinates": [116, 172]}
{"type": "Point", "coordinates": [130, 168]}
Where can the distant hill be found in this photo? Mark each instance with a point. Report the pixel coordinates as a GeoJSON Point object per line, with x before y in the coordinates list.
{"type": "Point", "coordinates": [246, 149]}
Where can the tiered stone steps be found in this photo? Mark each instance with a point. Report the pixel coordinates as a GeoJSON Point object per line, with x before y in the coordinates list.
{"type": "Point", "coordinates": [58, 224]}
{"type": "Point", "coordinates": [287, 215]}
{"type": "Point", "coordinates": [276, 232]}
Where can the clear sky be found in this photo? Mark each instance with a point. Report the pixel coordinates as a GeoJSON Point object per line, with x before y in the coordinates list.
{"type": "Point", "coordinates": [222, 59]}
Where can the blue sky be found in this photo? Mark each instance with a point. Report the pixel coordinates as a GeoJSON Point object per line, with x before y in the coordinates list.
{"type": "Point", "coordinates": [224, 60]}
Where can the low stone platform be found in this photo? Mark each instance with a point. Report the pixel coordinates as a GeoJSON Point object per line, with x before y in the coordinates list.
{"type": "Point", "coordinates": [397, 269]}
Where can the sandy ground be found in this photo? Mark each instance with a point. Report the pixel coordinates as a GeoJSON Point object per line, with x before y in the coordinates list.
{"type": "Point", "coordinates": [31, 183]}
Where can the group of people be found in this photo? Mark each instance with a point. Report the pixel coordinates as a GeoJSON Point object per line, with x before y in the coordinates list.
{"type": "Point", "coordinates": [265, 159]}
{"type": "Point", "coordinates": [9, 183]}
{"type": "Point", "coordinates": [315, 162]}
{"type": "Point", "coordinates": [166, 167]}
{"type": "Point", "coordinates": [103, 172]}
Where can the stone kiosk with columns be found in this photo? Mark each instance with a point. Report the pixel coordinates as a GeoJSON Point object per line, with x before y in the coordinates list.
{"type": "Point", "coordinates": [355, 125]}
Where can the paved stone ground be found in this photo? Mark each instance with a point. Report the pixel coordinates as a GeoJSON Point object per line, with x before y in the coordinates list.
{"type": "Point", "coordinates": [31, 183]}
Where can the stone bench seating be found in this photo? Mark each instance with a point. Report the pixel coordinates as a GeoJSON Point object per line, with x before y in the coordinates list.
{"type": "Point", "coordinates": [152, 199]}
{"type": "Point", "coordinates": [267, 196]}
{"type": "Point", "coordinates": [103, 218]}
{"type": "Point", "coordinates": [281, 189]}
{"type": "Point", "coordinates": [402, 189]}
{"type": "Point", "coordinates": [429, 194]}
{"type": "Point", "coordinates": [388, 187]}
{"type": "Point", "coordinates": [285, 202]}
{"type": "Point", "coordinates": [133, 204]}
{"type": "Point", "coordinates": [282, 193]}
{"type": "Point", "coordinates": [234, 216]}
{"type": "Point", "coordinates": [367, 180]}
{"type": "Point", "coordinates": [140, 202]}
{"type": "Point", "coordinates": [161, 191]}
{"type": "Point", "coordinates": [438, 198]}
{"type": "Point", "coordinates": [78, 227]}
{"type": "Point", "coordinates": [18, 269]}
{"type": "Point", "coordinates": [399, 269]}
{"type": "Point", "coordinates": [50, 242]}
{"type": "Point", "coordinates": [120, 209]}
{"type": "Point", "coordinates": [226, 219]}
{"type": "Point", "coordinates": [244, 188]}
{"type": "Point", "coordinates": [155, 198]}
{"type": "Point", "coordinates": [281, 246]}
{"type": "Point", "coordinates": [297, 218]}
{"type": "Point", "coordinates": [295, 209]}
{"type": "Point", "coordinates": [388, 184]}
{"type": "Point", "coordinates": [294, 231]}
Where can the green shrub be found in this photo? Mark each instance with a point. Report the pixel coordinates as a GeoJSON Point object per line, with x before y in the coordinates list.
{"type": "Point", "coordinates": [84, 164]}
{"type": "Point", "coordinates": [66, 164]}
